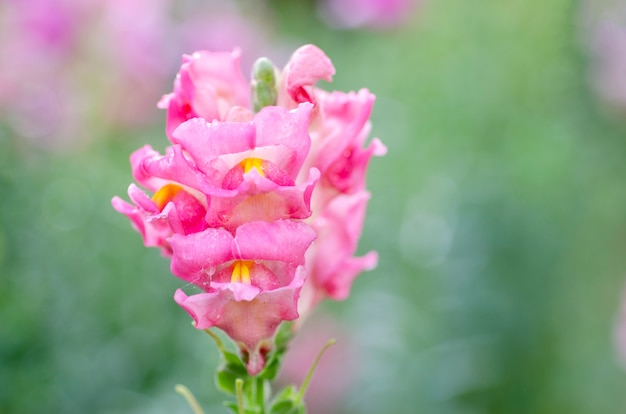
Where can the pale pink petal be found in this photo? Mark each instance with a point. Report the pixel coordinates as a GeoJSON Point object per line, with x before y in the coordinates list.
{"type": "Point", "coordinates": [206, 309]}
{"type": "Point", "coordinates": [206, 142]}
{"type": "Point", "coordinates": [339, 135]}
{"type": "Point", "coordinates": [281, 240]}
{"type": "Point", "coordinates": [307, 65]}
{"type": "Point", "coordinates": [279, 127]}
{"type": "Point", "coordinates": [207, 86]}
{"type": "Point", "coordinates": [155, 170]}
{"type": "Point", "coordinates": [196, 256]}
{"type": "Point", "coordinates": [146, 219]}
{"type": "Point", "coordinates": [330, 261]}
{"type": "Point", "coordinates": [248, 322]}
{"type": "Point", "coordinates": [260, 199]}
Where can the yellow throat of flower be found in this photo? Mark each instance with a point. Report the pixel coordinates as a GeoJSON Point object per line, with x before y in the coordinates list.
{"type": "Point", "coordinates": [249, 163]}
{"type": "Point", "coordinates": [241, 272]}
{"type": "Point", "coordinates": [165, 194]}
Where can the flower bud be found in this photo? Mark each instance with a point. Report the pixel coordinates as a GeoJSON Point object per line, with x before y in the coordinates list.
{"type": "Point", "coordinates": [264, 90]}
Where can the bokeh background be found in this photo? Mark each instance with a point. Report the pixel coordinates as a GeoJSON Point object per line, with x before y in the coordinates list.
{"type": "Point", "coordinates": [499, 212]}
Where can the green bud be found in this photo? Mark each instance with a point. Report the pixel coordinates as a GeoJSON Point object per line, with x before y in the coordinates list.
{"type": "Point", "coordinates": [264, 88]}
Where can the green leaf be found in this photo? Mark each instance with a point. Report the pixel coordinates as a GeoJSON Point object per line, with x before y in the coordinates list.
{"type": "Point", "coordinates": [233, 406]}
{"type": "Point", "coordinates": [287, 402]}
{"type": "Point", "coordinates": [230, 369]}
{"type": "Point", "coordinates": [225, 381]}
{"type": "Point", "coordinates": [233, 361]}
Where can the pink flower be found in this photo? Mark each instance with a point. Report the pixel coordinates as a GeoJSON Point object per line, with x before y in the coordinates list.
{"type": "Point", "coordinates": [172, 209]}
{"type": "Point", "coordinates": [243, 171]}
{"type": "Point", "coordinates": [609, 64]}
{"type": "Point", "coordinates": [338, 126]}
{"type": "Point", "coordinates": [251, 281]}
{"type": "Point", "coordinates": [239, 197]}
{"type": "Point", "coordinates": [207, 86]}
{"type": "Point", "coordinates": [330, 263]}
{"type": "Point", "coordinates": [307, 65]}
{"type": "Point", "coordinates": [228, 209]}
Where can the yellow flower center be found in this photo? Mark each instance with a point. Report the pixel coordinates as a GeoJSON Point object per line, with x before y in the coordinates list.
{"type": "Point", "coordinates": [241, 272]}
{"type": "Point", "coordinates": [165, 195]}
{"type": "Point", "coordinates": [249, 163]}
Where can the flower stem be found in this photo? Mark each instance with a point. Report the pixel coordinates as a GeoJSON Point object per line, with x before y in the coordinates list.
{"type": "Point", "coordinates": [239, 389]}
{"type": "Point", "coordinates": [218, 341]}
{"type": "Point", "coordinates": [191, 400]}
{"type": "Point", "coordinates": [309, 375]}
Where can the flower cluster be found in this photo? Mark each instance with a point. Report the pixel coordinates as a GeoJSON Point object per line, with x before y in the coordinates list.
{"type": "Point", "coordinates": [260, 198]}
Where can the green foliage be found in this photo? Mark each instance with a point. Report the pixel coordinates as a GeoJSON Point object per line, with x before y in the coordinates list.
{"type": "Point", "coordinates": [229, 370]}
{"type": "Point", "coordinates": [288, 402]}
{"type": "Point", "coordinates": [255, 390]}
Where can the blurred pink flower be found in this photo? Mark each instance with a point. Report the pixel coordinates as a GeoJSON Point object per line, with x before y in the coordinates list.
{"type": "Point", "coordinates": [336, 371]}
{"type": "Point", "coordinates": [68, 65]}
{"type": "Point", "coordinates": [350, 14]}
{"type": "Point", "coordinates": [609, 63]}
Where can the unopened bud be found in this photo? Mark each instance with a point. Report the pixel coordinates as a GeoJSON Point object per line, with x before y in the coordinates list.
{"type": "Point", "coordinates": [264, 91]}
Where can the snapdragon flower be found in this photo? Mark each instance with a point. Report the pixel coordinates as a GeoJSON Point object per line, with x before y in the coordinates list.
{"type": "Point", "coordinates": [209, 86]}
{"type": "Point", "coordinates": [260, 196]}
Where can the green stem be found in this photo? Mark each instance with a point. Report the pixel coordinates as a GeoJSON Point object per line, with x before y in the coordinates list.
{"type": "Point", "coordinates": [191, 400]}
{"type": "Point", "coordinates": [239, 390]}
{"type": "Point", "coordinates": [218, 341]}
{"type": "Point", "coordinates": [309, 375]}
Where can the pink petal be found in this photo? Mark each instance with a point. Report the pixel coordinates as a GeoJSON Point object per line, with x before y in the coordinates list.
{"type": "Point", "coordinates": [279, 127]}
{"type": "Point", "coordinates": [206, 142]}
{"type": "Point", "coordinates": [248, 322]}
{"type": "Point", "coordinates": [196, 256]}
{"type": "Point", "coordinates": [307, 65]}
{"type": "Point", "coordinates": [330, 263]}
{"type": "Point", "coordinates": [260, 199]}
{"type": "Point", "coordinates": [281, 240]}
{"type": "Point", "coordinates": [207, 86]}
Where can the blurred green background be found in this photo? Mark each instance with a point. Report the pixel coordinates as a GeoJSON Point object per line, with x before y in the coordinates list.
{"type": "Point", "coordinates": [499, 215]}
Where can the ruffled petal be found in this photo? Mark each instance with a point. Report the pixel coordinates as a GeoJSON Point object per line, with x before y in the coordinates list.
{"type": "Point", "coordinates": [307, 65]}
